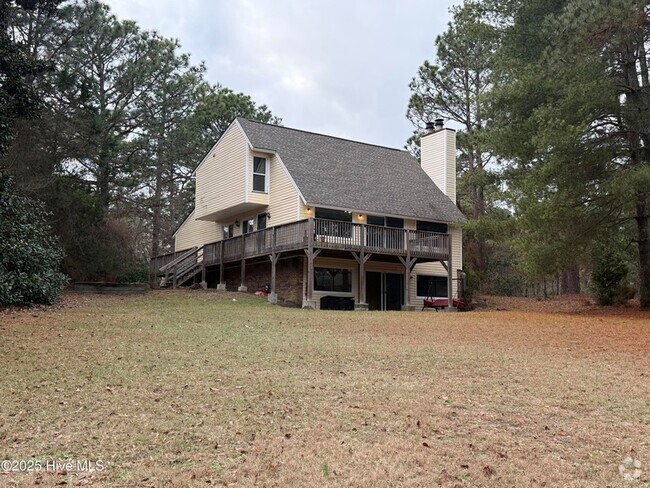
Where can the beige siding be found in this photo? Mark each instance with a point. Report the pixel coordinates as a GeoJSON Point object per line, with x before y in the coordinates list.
{"type": "Point", "coordinates": [221, 178]}
{"type": "Point", "coordinates": [432, 162]}
{"type": "Point", "coordinates": [195, 233]}
{"type": "Point", "coordinates": [451, 164]}
{"type": "Point", "coordinates": [436, 268]}
{"type": "Point", "coordinates": [438, 160]}
{"type": "Point", "coordinates": [304, 214]}
{"type": "Point", "coordinates": [284, 199]}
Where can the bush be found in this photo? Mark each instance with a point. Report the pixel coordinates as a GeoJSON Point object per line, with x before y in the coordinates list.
{"type": "Point", "coordinates": [609, 270]}
{"type": "Point", "coordinates": [29, 255]}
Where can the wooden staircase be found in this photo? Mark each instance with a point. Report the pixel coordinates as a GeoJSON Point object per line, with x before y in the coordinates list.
{"type": "Point", "coordinates": [182, 268]}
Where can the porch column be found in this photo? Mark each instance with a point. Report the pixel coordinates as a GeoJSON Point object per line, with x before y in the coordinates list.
{"type": "Point", "coordinates": [222, 284]}
{"type": "Point", "coordinates": [242, 287]}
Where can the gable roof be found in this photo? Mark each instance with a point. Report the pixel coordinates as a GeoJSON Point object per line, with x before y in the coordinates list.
{"type": "Point", "coordinates": [339, 173]}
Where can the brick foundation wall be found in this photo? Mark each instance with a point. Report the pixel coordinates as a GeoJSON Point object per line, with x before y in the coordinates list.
{"type": "Point", "coordinates": [288, 279]}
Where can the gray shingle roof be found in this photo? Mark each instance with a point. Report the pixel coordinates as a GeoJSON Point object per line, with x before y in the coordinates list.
{"type": "Point", "coordinates": [333, 172]}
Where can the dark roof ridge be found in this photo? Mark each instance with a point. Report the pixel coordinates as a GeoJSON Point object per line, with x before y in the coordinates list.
{"type": "Point", "coordinates": [328, 136]}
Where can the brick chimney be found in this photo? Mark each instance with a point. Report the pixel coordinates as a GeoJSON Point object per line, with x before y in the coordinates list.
{"type": "Point", "coordinates": [438, 156]}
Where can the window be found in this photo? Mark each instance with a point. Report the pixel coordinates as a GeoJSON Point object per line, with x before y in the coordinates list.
{"type": "Point", "coordinates": [261, 221]}
{"type": "Point", "coordinates": [431, 226]}
{"type": "Point", "coordinates": [385, 221]}
{"type": "Point", "coordinates": [394, 222]}
{"type": "Point", "coordinates": [248, 226]}
{"type": "Point", "coordinates": [329, 214]}
{"type": "Point", "coordinates": [340, 227]}
{"type": "Point", "coordinates": [228, 231]}
{"type": "Point", "coordinates": [259, 174]}
{"type": "Point", "coordinates": [333, 279]}
{"type": "Point", "coordinates": [431, 286]}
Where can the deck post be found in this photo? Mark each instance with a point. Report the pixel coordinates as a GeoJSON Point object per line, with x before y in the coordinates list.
{"type": "Point", "coordinates": [450, 275]}
{"type": "Point", "coordinates": [408, 263]}
{"type": "Point", "coordinates": [311, 254]}
{"type": "Point", "coordinates": [242, 286]}
{"type": "Point", "coordinates": [407, 273]}
{"type": "Point", "coordinates": [363, 304]}
{"type": "Point", "coordinates": [222, 284]}
{"type": "Point", "coordinates": [273, 296]}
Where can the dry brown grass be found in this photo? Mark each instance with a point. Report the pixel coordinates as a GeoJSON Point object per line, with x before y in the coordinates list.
{"type": "Point", "coordinates": [191, 388]}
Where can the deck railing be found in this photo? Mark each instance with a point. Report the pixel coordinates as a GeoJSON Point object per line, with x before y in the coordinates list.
{"type": "Point", "coordinates": [325, 234]}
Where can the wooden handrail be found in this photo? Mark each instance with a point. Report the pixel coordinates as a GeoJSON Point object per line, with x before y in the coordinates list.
{"type": "Point", "coordinates": [328, 234]}
{"type": "Point", "coordinates": [177, 260]}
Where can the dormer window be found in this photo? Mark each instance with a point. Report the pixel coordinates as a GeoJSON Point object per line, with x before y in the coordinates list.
{"type": "Point", "coordinates": [259, 174]}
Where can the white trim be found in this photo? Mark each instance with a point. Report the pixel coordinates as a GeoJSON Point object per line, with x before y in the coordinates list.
{"type": "Point", "coordinates": [183, 223]}
{"type": "Point", "coordinates": [247, 169]}
{"type": "Point", "coordinates": [267, 174]}
{"type": "Point", "coordinates": [234, 122]}
{"type": "Point", "coordinates": [298, 209]}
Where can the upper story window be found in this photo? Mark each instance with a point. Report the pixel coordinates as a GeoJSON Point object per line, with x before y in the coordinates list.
{"type": "Point", "coordinates": [259, 174]}
{"type": "Point", "coordinates": [431, 226]}
{"type": "Point", "coordinates": [330, 214]}
{"type": "Point", "coordinates": [385, 221]}
{"type": "Point", "coordinates": [228, 231]}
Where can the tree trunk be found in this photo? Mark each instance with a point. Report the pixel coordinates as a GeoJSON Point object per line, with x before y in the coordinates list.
{"type": "Point", "coordinates": [643, 240]}
{"type": "Point", "coordinates": [570, 280]}
{"type": "Point", "coordinates": [156, 209]}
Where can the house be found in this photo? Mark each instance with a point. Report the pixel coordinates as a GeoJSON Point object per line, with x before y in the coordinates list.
{"type": "Point", "coordinates": [323, 221]}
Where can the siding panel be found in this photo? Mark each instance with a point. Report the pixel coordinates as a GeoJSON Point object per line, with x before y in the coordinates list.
{"type": "Point", "coordinates": [195, 233]}
{"type": "Point", "coordinates": [283, 196]}
{"type": "Point", "coordinates": [221, 179]}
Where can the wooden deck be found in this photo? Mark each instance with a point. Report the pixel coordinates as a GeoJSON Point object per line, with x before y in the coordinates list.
{"type": "Point", "coordinates": [313, 236]}
{"type": "Point", "coordinates": [326, 234]}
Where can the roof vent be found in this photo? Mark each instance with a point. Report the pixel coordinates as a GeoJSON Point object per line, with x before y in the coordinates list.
{"type": "Point", "coordinates": [439, 125]}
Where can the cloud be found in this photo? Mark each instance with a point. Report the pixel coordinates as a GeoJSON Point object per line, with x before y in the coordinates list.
{"type": "Point", "coordinates": [336, 67]}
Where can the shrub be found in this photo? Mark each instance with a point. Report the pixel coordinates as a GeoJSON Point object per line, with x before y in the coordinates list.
{"type": "Point", "coordinates": [29, 255]}
{"type": "Point", "coordinates": [609, 270]}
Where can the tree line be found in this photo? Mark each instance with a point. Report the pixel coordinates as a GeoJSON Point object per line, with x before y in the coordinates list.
{"type": "Point", "coordinates": [552, 102]}
{"type": "Point", "coordinates": [104, 122]}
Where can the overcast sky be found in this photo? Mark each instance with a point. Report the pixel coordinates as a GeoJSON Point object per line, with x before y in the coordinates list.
{"type": "Point", "coordinates": [339, 67]}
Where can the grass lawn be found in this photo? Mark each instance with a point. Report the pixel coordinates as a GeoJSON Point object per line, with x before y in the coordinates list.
{"type": "Point", "coordinates": [187, 388]}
